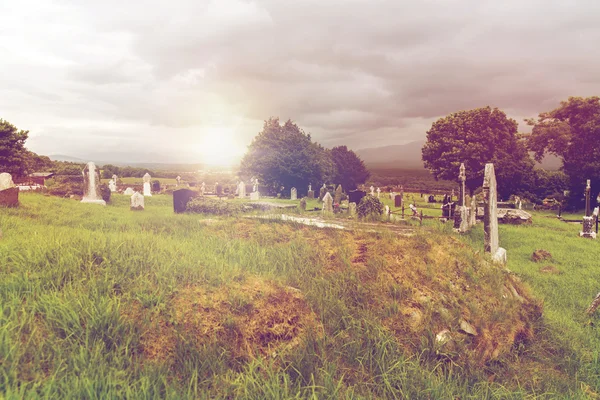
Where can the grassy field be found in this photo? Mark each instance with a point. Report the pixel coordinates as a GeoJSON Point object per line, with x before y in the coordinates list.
{"type": "Point", "coordinates": [104, 302]}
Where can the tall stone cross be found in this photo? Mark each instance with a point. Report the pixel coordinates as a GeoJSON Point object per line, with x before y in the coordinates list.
{"type": "Point", "coordinates": [490, 216]}
{"type": "Point", "coordinates": [462, 177]}
{"type": "Point", "coordinates": [587, 199]}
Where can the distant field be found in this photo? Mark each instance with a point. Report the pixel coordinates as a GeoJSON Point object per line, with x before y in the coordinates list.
{"type": "Point", "coordinates": [140, 181]}
{"type": "Point", "coordinates": [104, 302]}
{"type": "Point", "coordinates": [409, 178]}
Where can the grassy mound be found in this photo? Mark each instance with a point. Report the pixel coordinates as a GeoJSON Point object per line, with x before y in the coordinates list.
{"type": "Point", "coordinates": [101, 300]}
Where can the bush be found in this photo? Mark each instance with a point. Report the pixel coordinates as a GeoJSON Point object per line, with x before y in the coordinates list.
{"type": "Point", "coordinates": [211, 206]}
{"type": "Point", "coordinates": [65, 185]}
{"type": "Point", "coordinates": [105, 192]}
{"type": "Point", "coordinates": [370, 206]}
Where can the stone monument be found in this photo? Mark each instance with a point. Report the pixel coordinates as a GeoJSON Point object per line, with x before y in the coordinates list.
{"type": "Point", "coordinates": [294, 194]}
{"type": "Point", "coordinates": [91, 185]}
{"type": "Point", "coordinates": [178, 179]}
{"type": "Point", "coordinates": [311, 193]}
{"type": "Point", "coordinates": [112, 185]}
{"type": "Point", "coordinates": [129, 191]}
{"type": "Point", "coordinates": [241, 190]}
{"type": "Point", "coordinates": [378, 192]}
{"type": "Point", "coordinates": [147, 178]}
{"type": "Point", "coordinates": [588, 221]}
{"type": "Point", "coordinates": [338, 195]}
{"type": "Point", "coordinates": [352, 209]}
{"type": "Point", "coordinates": [303, 204]}
{"type": "Point", "coordinates": [137, 202]}
{"type": "Point", "coordinates": [490, 216]}
{"type": "Point", "coordinates": [327, 203]}
{"type": "Point", "coordinates": [322, 192]}
{"type": "Point", "coordinates": [202, 188]}
{"type": "Point", "coordinates": [9, 192]}
{"type": "Point", "coordinates": [461, 216]}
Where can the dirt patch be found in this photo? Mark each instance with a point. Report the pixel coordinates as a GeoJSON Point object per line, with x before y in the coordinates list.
{"type": "Point", "coordinates": [248, 319]}
{"type": "Point", "coordinates": [540, 255]}
{"type": "Point", "coordinates": [550, 269]}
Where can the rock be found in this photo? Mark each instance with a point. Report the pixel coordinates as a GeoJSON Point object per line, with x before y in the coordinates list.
{"type": "Point", "coordinates": [9, 197]}
{"type": "Point", "coordinates": [443, 337]}
{"type": "Point", "coordinates": [467, 328]}
{"type": "Point", "coordinates": [6, 181]}
{"type": "Point", "coordinates": [500, 256]}
{"type": "Point", "coordinates": [540, 255]}
{"type": "Point", "coordinates": [513, 216]}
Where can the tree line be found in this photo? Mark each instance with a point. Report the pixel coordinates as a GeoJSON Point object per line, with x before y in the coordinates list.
{"type": "Point", "coordinates": [475, 137]}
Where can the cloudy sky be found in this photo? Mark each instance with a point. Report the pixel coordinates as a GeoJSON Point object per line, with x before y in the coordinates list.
{"type": "Point", "coordinates": [193, 80]}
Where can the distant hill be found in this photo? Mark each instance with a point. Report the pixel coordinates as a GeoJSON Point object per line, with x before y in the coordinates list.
{"type": "Point", "coordinates": [62, 157]}
{"type": "Point", "coordinates": [408, 156]}
{"type": "Point", "coordinates": [399, 156]}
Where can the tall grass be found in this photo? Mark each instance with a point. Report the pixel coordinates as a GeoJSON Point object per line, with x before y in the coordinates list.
{"type": "Point", "coordinates": [82, 286]}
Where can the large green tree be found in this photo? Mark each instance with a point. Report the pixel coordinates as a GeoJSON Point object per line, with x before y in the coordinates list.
{"type": "Point", "coordinates": [476, 137]}
{"type": "Point", "coordinates": [283, 155]}
{"type": "Point", "coordinates": [350, 169]}
{"type": "Point", "coordinates": [14, 157]}
{"type": "Point", "coordinates": [571, 132]}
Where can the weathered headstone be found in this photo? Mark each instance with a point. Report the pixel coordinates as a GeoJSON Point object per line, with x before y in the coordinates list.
{"type": "Point", "coordinates": [91, 185]}
{"type": "Point", "coordinates": [327, 203]}
{"type": "Point", "coordinates": [303, 204]}
{"type": "Point", "coordinates": [9, 193]}
{"type": "Point", "coordinates": [372, 190]}
{"type": "Point", "coordinates": [322, 192]}
{"type": "Point", "coordinates": [490, 215]}
{"type": "Point", "coordinates": [588, 221]}
{"type": "Point", "coordinates": [461, 216]}
{"type": "Point", "coordinates": [114, 178]}
{"type": "Point", "coordinates": [338, 195]}
{"type": "Point", "coordinates": [178, 179]}
{"type": "Point", "coordinates": [398, 201]}
{"type": "Point", "coordinates": [180, 199]}
{"type": "Point", "coordinates": [355, 196]}
{"type": "Point", "coordinates": [147, 178]}
{"type": "Point", "coordinates": [311, 194]}
{"type": "Point", "coordinates": [387, 211]}
{"type": "Point", "coordinates": [202, 188]}
{"type": "Point", "coordinates": [294, 194]}
{"type": "Point", "coordinates": [254, 196]}
{"type": "Point", "coordinates": [473, 211]}
{"type": "Point", "coordinates": [352, 209]}
{"type": "Point", "coordinates": [129, 191]}
{"type": "Point", "coordinates": [137, 202]}
{"type": "Point", "coordinates": [242, 190]}
{"type": "Point", "coordinates": [112, 185]}
{"type": "Point", "coordinates": [378, 192]}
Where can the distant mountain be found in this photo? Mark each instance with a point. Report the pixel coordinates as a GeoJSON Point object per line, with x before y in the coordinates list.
{"type": "Point", "coordinates": [400, 155]}
{"type": "Point", "coordinates": [408, 156]}
{"type": "Point", "coordinates": [62, 157]}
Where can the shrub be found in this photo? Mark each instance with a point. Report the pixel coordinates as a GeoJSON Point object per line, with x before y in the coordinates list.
{"type": "Point", "coordinates": [105, 192]}
{"type": "Point", "coordinates": [211, 206]}
{"type": "Point", "coordinates": [370, 206]}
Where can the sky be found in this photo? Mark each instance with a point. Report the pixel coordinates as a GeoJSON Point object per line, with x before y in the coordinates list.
{"type": "Point", "coordinates": [193, 80]}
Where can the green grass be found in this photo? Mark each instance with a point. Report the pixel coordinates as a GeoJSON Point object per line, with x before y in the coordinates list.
{"type": "Point", "coordinates": [82, 286]}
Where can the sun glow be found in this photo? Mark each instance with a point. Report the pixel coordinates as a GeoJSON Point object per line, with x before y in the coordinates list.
{"type": "Point", "coordinates": [220, 147]}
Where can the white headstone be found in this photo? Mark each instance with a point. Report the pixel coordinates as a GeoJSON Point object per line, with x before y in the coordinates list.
{"type": "Point", "coordinates": [378, 192]}
{"type": "Point", "coordinates": [242, 190]}
{"type": "Point", "coordinates": [112, 186]}
{"type": "Point", "coordinates": [352, 209]}
{"type": "Point", "coordinates": [129, 191]}
{"type": "Point", "coordinates": [327, 203]}
{"type": "Point", "coordinates": [147, 189]}
{"type": "Point", "coordinates": [294, 194]}
{"type": "Point", "coordinates": [137, 201]}
{"type": "Point", "coordinates": [372, 191]}
{"type": "Point", "coordinates": [91, 185]}
{"type": "Point", "coordinates": [490, 212]}
{"type": "Point", "coordinates": [147, 177]}
{"type": "Point", "coordinates": [203, 188]}
{"type": "Point", "coordinates": [6, 181]}
{"type": "Point", "coordinates": [254, 196]}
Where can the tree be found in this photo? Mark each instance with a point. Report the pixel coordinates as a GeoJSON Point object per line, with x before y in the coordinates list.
{"type": "Point", "coordinates": [571, 132]}
{"type": "Point", "coordinates": [476, 137]}
{"type": "Point", "coordinates": [350, 169]}
{"type": "Point", "coordinates": [283, 155]}
{"type": "Point", "coordinates": [14, 156]}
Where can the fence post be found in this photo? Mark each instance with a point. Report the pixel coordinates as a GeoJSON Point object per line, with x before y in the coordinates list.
{"type": "Point", "coordinates": [559, 211]}
{"type": "Point", "coordinates": [421, 218]}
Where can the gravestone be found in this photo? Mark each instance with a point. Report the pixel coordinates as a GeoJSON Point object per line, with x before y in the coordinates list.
{"type": "Point", "coordinates": [254, 196]}
{"type": "Point", "coordinates": [137, 202]}
{"type": "Point", "coordinates": [156, 187]}
{"type": "Point", "coordinates": [473, 211]}
{"type": "Point", "coordinates": [202, 188]}
{"type": "Point", "coordinates": [9, 193]}
{"type": "Point", "coordinates": [352, 209]}
{"type": "Point", "coordinates": [461, 216]}
{"type": "Point", "coordinates": [91, 185]}
{"type": "Point", "coordinates": [147, 178]}
{"type": "Point", "coordinates": [356, 196]}
{"type": "Point", "coordinates": [378, 192]}
{"type": "Point", "coordinates": [112, 185]}
{"type": "Point", "coordinates": [588, 221]}
{"type": "Point", "coordinates": [242, 190]}
{"type": "Point", "coordinates": [338, 195]}
{"type": "Point", "coordinates": [294, 194]}
{"type": "Point", "coordinates": [327, 203]}
{"type": "Point", "coordinates": [311, 194]}
{"type": "Point", "coordinates": [180, 199]}
{"type": "Point", "coordinates": [219, 189]}
{"type": "Point", "coordinates": [490, 216]}
{"type": "Point", "coordinates": [398, 201]}
{"type": "Point", "coordinates": [303, 204]}
{"type": "Point", "coordinates": [431, 199]}
{"type": "Point", "coordinates": [114, 178]}
{"type": "Point", "coordinates": [129, 191]}
{"type": "Point", "coordinates": [322, 192]}
{"type": "Point", "coordinates": [178, 179]}
{"type": "Point", "coordinates": [372, 190]}
{"type": "Point", "coordinates": [387, 211]}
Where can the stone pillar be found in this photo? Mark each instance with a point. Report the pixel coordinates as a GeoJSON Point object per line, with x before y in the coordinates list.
{"type": "Point", "coordinates": [473, 213]}
{"type": "Point", "coordinates": [461, 214]}
{"type": "Point", "coordinates": [588, 221]}
{"type": "Point", "coordinates": [490, 216]}
{"type": "Point", "coordinates": [338, 195]}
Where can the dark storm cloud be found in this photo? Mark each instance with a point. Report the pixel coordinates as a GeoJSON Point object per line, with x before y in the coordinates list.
{"type": "Point", "coordinates": [344, 70]}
